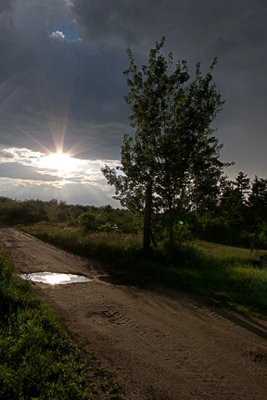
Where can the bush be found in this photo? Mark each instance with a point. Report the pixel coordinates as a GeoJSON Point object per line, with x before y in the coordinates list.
{"type": "Point", "coordinates": [214, 229]}
{"type": "Point", "coordinates": [106, 219]}
{"type": "Point", "coordinates": [88, 221]}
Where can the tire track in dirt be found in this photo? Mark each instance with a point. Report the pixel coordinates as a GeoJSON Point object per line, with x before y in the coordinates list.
{"type": "Point", "coordinates": [161, 346]}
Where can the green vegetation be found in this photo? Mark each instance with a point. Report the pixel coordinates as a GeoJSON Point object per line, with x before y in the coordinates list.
{"type": "Point", "coordinates": [38, 359]}
{"type": "Point", "coordinates": [224, 252]}
{"type": "Point", "coordinates": [174, 154]}
{"type": "Point", "coordinates": [170, 168]}
{"type": "Point", "coordinates": [95, 219]}
{"type": "Point", "coordinates": [222, 275]}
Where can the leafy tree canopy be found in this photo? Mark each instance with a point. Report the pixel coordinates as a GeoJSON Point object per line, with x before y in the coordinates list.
{"type": "Point", "coordinates": [173, 159]}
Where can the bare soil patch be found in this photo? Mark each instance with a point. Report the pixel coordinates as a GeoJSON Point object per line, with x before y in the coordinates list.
{"type": "Point", "coordinates": [160, 346]}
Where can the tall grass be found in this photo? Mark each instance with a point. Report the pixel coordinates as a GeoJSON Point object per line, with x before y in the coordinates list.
{"type": "Point", "coordinates": [107, 247]}
{"type": "Point", "coordinates": [38, 360]}
{"type": "Point", "coordinates": [223, 275]}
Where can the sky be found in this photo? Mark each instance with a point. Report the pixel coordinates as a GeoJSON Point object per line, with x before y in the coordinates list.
{"type": "Point", "coordinates": [62, 86]}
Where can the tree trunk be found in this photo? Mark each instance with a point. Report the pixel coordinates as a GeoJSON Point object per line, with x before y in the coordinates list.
{"type": "Point", "coordinates": [147, 219]}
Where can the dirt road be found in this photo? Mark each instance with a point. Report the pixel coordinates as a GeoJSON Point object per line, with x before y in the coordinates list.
{"type": "Point", "coordinates": [160, 347]}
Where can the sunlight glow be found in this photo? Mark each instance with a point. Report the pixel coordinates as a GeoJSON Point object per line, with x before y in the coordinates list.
{"type": "Point", "coordinates": [61, 162]}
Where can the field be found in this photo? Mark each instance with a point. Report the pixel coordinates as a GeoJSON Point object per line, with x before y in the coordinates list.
{"type": "Point", "coordinates": [222, 275]}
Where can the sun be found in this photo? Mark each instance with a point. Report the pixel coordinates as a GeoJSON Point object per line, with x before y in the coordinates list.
{"type": "Point", "coordinates": [60, 162]}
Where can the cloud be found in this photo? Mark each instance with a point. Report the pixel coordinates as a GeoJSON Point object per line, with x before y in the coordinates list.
{"type": "Point", "coordinates": [49, 94]}
{"type": "Point", "coordinates": [68, 3]}
{"type": "Point", "coordinates": [6, 5]}
{"type": "Point", "coordinates": [23, 156]}
{"type": "Point", "coordinates": [57, 35]}
{"type": "Point", "coordinates": [32, 171]}
{"type": "Point", "coordinates": [70, 95]}
{"type": "Point", "coordinates": [84, 194]}
{"type": "Point", "coordinates": [5, 154]}
{"type": "Point", "coordinates": [16, 171]}
{"type": "Point", "coordinates": [74, 193]}
{"type": "Point", "coordinates": [198, 31]}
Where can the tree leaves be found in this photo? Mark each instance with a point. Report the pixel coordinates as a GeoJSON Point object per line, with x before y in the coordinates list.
{"type": "Point", "coordinates": [174, 150]}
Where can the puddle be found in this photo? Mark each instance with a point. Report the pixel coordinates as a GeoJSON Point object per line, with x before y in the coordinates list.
{"type": "Point", "coordinates": [51, 278]}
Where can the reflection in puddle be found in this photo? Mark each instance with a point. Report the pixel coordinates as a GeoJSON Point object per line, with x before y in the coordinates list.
{"type": "Point", "coordinates": [52, 278]}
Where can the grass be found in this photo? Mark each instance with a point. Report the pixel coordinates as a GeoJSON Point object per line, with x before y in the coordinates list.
{"type": "Point", "coordinates": [222, 275]}
{"type": "Point", "coordinates": [107, 247]}
{"type": "Point", "coordinates": [224, 252]}
{"type": "Point", "coordinates": [38, 359]}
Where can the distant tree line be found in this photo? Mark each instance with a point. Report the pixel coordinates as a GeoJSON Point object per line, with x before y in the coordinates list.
{"type": "Point", "coordinates": [236, 214]}
{"type": "Point", "coordinates": [32, 211]}
{"type": "Point", "coordinates": [232, 212]}
{"type": "Point", "coordinates": [89, 218]}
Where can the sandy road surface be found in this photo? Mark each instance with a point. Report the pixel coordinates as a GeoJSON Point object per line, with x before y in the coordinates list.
{"type": "Point", "coordinates": [160, 347]}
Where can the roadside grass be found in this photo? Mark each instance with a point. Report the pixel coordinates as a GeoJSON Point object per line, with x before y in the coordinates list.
{"type": "Point", "coordinates": [105, 246]}
{"type": "Point", "coordinates": [222, 275]}
{"type": "Point", "coordinates": [222, 252]}
{"type": "Point", "coordinates": [38, 359]}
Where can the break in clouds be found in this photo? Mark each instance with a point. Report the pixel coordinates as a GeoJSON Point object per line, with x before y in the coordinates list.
{"type": "Point", "coordinates": [63, 177]}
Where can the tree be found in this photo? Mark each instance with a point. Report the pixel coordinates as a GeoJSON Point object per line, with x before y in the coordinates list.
{"type": "Point", "coordinates": [232, 205]}
{"type": "Point", "coordinates": [174, 152]}
{"type": "Point", "coordinates": [258, 202]}
{"type": "Point", "coordinates": [242, 183]}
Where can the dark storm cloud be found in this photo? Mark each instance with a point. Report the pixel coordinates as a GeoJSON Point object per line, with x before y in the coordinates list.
{"type": "Point", "coordinates": [186, 23]}
{"type": "Point", "coordinates": [17, 171]}
{"type": "Point", "coordinates": [6, 5]}
{"type": "Point", "coordinates": [51, 87]}
{"type": "Point", "coordinates": [235, 31]}
{"type": "Point", "coordinates": [61, 65]}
